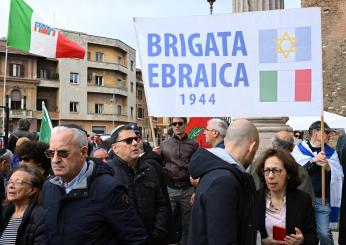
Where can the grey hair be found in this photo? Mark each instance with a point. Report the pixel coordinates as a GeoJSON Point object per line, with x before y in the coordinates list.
{"type": "Point", "coordinates": [219, 125]}
{"type": "Point", "coordinates": [8, 155]}
{"type": "Point", "coordinates": [282, 144]}
{"type": "Point", "coordinates": [79, 136]}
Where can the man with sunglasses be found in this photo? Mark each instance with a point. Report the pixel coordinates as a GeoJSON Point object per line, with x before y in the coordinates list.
{"type": "Point", "coordinates": [84, 203]}
{"type": "Point", "coordinates": [309, 154]}
{"type": "Point", "coordinates": [143, 183]}
{"type": "Point", "coordinates": [176, 153]}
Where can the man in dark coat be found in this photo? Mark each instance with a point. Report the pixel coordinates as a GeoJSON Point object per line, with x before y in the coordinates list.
{"type": "Point", "coordinates": [341, 150]}
{"type": "Point", "coordinates": [84, 203]}
{"type": "Point", "coordinates": [23, 131]}
{"type": "Point", "coordinates": [223, 211]}
{"type": "Point", "coordinates": [143, 183]}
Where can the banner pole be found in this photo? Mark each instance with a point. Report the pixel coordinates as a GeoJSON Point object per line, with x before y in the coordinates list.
{"type": "Point", "coordinates": [4, 91]}
{"type": "Point", "coordinates": [323, 169]}
{"type": "Point", "coordinates": [152, 130]}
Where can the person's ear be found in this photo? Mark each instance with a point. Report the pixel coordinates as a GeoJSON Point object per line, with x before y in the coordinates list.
{"type": "Point", "coordinates": [84, 151]}
{"type": "Point", "coordinates": [253, 146]}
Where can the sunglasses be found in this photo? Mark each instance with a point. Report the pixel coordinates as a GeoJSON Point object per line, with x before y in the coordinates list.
{"type": "Point", "coordinates": [177, 123]}
{"type": "Point", "coordinates": [129, 140]}
{"type": "Point", "coordinates": [61, 153]}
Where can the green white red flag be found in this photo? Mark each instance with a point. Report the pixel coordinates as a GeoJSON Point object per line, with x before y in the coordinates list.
{"type": "Point", "coordinates": [46, 125]}
{"type": "Point", "coordinates": [27, 32]}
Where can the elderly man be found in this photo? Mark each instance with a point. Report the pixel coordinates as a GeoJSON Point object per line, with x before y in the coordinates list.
{"type": "Point", "coordinates": [223, 212]}
{"type": "Point", "coordinates": [215, 132]}
{"type": "Point", "coordinates": [310, 155]}
{"type": "Point", "coordinates": [101, 154]}
{"type": "Point", "coordinates": [145, 191]}
{"type": "Point", "coordinates": [84, 203]}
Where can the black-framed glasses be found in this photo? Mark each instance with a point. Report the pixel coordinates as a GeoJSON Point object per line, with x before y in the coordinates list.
{"type": "Point", "coordinates": [17, 182]}
{"type": "Point", "coordinates": [177, 123]}
{"type": "Point", "coordinates": [129, 140]}
{"type": "Point", "coordinates": [276, 171]}
{"type": "Point", "coordinates": [61, 153]}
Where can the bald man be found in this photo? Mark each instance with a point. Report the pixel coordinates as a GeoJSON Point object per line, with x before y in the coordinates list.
{"type": "Point", "coordinates": [225, 193]}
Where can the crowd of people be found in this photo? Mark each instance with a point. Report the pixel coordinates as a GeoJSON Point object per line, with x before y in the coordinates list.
{"type": "Point", "coordinates": [79, 189]}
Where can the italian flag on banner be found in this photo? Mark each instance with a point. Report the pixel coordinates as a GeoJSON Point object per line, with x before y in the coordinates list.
{"type": "Point", "coordinates": [195, 128]}
{"type": "Point", "coordinates": [27, 32]}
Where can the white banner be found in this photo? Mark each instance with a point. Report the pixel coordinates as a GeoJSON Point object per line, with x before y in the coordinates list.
{"type": "Point", "coordinates": [265, 63]}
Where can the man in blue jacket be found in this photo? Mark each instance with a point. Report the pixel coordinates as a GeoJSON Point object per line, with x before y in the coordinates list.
{"type": "Point", "coordinates": [223, 211]}
{"type": "Point", "coordinates": [84, 203]}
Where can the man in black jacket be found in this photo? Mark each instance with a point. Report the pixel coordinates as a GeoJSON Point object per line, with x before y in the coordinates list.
{"type": "Point", "coordinates": [84, 203]}
{"type": "Point", "coordinates": [23, 131]}
{"type": "Point", "coordinates": [142, 181]}
{"type": "Point", "coordinates": [223, 211]}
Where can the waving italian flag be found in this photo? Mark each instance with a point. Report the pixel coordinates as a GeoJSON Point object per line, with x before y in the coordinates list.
{"type": "Point", "coordinates": [27, 32]}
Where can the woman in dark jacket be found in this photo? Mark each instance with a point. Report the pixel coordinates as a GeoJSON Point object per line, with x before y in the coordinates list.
{"type": "Point", "coordinates": [23, 222]}
{"type": "Point", "coordinates": [281, 205]}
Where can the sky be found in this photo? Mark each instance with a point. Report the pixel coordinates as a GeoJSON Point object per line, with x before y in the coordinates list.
{"type": "Point", "coordinates": [114, 18]}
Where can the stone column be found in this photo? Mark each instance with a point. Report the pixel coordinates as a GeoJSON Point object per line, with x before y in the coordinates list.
{"type": "Point", "coordinates": [256, 5]}
{"type": "Point", "coordinates": [267, 126]}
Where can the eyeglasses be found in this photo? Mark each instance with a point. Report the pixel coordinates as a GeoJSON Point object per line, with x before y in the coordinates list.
{"type": "Point", "coordinates": [17, 182]}
{"type": "Point", "coordinates": [61, 153]}
{"type": "Point", "coordinates": [208, 130]}
{"type": "Point", "coordinates": [276, 171]}
{"type": "Point", "coordinates": [129, 140]}
{"type": "Point", "coordinates": [177, 123]}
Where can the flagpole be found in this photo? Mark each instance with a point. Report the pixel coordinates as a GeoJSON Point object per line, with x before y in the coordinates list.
{"type": "Point", "coordinates": [4, 91]}
{"type": "Point", "coordinates": [323, 169]}
{"type": "Point", "coordinates": [152, 130]}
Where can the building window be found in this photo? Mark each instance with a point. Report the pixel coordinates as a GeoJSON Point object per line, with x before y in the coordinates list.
{"type": "Point", "coordinates": [98, 108]}
{"type": "Point", "coordinates": [119, 110]}
{"type": "Point", "coordinates": [132, 63]}
{"type": "Point", "coordinates": [43, 73]}
{"type": "Point", "coordinates": [99, 57]}
{"type": "Point", "coordinates": [16, 99]}
{"type": "Point", "coordinates": [119, 60]}
{"type": "Point", "coordinates": [139, 94]}
{"type": "Point", "coordinates": [74, 106]}
{"type": "Point", "coordinates": [39, 104]}
{"type": "Point", "coordinates": [131, 87]}
{"type": "Point", "coordinates": [99, 80]}
{"type": "Point", "coordinates": [99, 129]}
{"type": "Point", "coordinates": [131, 111]}
{"type": "Point", "coordinates": [17, 70]}
{"type": "Point", "coordinates": [140, 113]}
{"type": "Point", "coordinates": [74, 78]}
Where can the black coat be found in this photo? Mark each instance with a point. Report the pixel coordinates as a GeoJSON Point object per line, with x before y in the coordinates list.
{"type": "Point", "coordinates": [299, 213]}
{"type": "Point", "coordinates": [31, 231]}
{"type": "Point", "coordinates": [341, 150]}
{"type": "Point", "coordinates": [223, 210]}
{"type": "Point", "coordinates": [12, 140]}
{"type": "Point", "coordinates": [146, 195]}
{"type": "Point", "coordinates": [97, 211]}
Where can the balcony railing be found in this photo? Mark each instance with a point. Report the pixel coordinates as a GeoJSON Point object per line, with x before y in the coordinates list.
{"type": "Point", "coordinates": [21, 113]}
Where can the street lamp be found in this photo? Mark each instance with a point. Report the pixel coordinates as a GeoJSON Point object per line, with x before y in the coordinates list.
{"type": "Point", "coordinates": [6, 119]}
{"type": "Point", "coordinates": [211, 2]}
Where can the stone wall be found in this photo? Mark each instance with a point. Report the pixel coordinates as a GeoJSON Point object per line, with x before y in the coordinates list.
{"type": "Point", "coordinates": [334, 52]}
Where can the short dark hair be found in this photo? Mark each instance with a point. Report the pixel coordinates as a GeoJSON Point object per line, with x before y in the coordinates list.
{"type": "Point", "coordinates": [290, 165]}
{"type": "Point", "coordinates": [35, 150]}
{"type": "Point", "coordinates": [115, 134]}
{"type": "Point", "coordinates": [184, 119]}
{"type": "Point", "coordinates": [282, 144]}
{"type": "Point", "coordinates": [24, 124]}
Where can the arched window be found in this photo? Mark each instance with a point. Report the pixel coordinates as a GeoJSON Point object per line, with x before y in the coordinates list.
{"type": "Point", "coordinates": [16, 97]}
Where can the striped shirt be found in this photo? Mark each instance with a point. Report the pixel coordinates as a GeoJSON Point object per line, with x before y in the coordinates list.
{"type": "Point", "coordinates": [9, 235]}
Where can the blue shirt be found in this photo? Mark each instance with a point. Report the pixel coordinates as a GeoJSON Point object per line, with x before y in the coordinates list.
{"type": "Point", "coordinates": [81, 176]}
